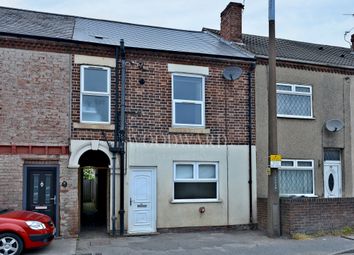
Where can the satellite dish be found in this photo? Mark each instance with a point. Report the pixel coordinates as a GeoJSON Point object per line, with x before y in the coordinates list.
{"type": "Point", "coordinates": [334, 125]}
{"type": "Point", "coordinates": [232, 73]}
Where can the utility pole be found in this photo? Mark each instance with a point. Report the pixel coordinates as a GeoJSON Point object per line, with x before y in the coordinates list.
{"type": "Point", "coordinates": [273, 222]}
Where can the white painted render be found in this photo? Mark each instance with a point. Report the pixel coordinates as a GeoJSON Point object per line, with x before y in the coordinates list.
{"type": "Point", "coordinates": [233, 205]}
{"type": "Point", "coordinates": [232, 208]}
{"type": "Point", "coordinates": [300, 138]}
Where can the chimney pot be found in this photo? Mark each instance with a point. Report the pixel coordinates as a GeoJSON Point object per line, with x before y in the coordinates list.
{"type": "Point", "coordinates": [231, 22]}
{"type": "Point", "coordinates": [352, 40]}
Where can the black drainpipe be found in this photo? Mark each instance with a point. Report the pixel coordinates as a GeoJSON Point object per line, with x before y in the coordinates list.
{"type": "Point", "coordinates": [114, 149]}
{"type": "Point", "coordinates": [250, 139]}
{"type": "Point", "coordinates": [121, 148]}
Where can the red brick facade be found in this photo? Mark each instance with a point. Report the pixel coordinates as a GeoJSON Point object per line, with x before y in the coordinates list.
{"type": "Point", "coordinates": [149, 106]}
{"type": "Point", "coordinates": [34, 98]}
{"type": "Point", "coordinates": [310, 215]}
{"type": "Point", "coordinates": [149, 110]}
{"type": "Point", "coordinates": [262, 213]}
{"type": "Point", "coordinates": [231, 22]}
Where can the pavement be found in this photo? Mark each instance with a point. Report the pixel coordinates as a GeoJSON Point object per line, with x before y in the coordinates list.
{"type": "Point", "coordinates": [195, 243]}
{"type": "Point", "coordinates": [57, 247]}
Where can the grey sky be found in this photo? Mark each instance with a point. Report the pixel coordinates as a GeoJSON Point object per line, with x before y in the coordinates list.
{"type": "Point", "coordinates": [317, 21]}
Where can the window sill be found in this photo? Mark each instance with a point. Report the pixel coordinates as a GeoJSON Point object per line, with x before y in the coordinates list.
{"type": "Point", "coordinates": [189, 130]}
{"type": "Point", "coordinates": [191, 201]}
{"type": "Point", "coordinates": [93, 126]}
{"type": "Point", "coordinates": [295, 117]}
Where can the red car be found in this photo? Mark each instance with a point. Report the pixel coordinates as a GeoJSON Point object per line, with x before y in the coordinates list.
{"type": "Point", "coordinates": [24, 230]}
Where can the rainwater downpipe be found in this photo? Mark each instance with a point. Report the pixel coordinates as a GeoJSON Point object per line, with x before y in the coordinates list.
{"type": "Point", "coordinates": [121, 148]}
{"type": "Point", "coordinates": [114, 149]}
{"type": "Point", "coordinates": [249, 74]}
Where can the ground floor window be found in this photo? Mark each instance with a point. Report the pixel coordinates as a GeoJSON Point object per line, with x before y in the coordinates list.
{"type": "Point", "coordinates": [195, 181]}
{"type": "Point", "coordinates": [296, 177]}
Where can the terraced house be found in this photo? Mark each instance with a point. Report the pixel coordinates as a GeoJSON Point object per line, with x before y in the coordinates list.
{"type": "Point", "coordinates": [111, 125]}
{"type": "Point", "coordinates": [315, 118]}
{"type": "Point", "coordinates": [188, 133]}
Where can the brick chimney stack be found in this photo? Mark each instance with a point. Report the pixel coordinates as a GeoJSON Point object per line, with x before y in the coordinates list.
{"type": "Point", "coordinates": [231, 22]}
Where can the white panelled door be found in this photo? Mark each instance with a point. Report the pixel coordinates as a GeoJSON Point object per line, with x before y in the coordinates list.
{"type": "Point", "coordinates": [332, 179]}
{"type": "Point", "coordinates": [142, 201]}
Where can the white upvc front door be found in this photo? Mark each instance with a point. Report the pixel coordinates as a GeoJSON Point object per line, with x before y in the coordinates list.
{"type": "Point", "coordinates": [332, 179]}
{"type": "Point", "coordinates": [142, 201]}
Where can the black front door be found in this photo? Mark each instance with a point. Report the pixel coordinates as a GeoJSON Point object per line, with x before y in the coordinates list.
{"type": "Point", "coordinates": [41, 190]}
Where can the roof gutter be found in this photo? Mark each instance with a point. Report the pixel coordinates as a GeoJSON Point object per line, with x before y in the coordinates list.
{"type": "Point", "coordinates": [54, 39]}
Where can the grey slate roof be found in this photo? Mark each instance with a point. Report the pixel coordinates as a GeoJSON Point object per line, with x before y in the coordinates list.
{"type": "Point", "coordinates": [36, 24]}
{"type": "Point", "coordinates": [156, 38]}
{"type": "Point", "coordinates": [301, 51]}
{"type": "Point", "coordinates": [31, 23]}
{"type": "Point", "coordinates": [24, 22]}
{"type": "Point", "coordinates": [297, 51]}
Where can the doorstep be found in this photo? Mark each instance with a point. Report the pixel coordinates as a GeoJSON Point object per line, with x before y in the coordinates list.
{"type": "Point", "coordinates": [142, 234]}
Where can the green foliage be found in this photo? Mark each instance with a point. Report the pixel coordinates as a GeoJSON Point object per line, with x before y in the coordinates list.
{"type": "Point", "coordinates": [89, 173]}
{"type": "Point", "coordinates": [301, 236]}
{"type": "Point", "coordinates": [347, 231]}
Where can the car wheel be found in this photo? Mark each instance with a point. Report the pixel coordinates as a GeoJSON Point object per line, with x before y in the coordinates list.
{"type": "Point", "coordinates": [10, 244]}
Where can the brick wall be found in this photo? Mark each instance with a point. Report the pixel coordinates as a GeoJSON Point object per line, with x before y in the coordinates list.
{"type": "Point", "coordinates": [231, 22]}
{"type": "Point", "coordinates": [34, 101]}
{"type": "Point", "coordinates": [69, 204]}
{"type": "Point", "coordinates": [262, 213]}
{"type": "Point", "coordinates": [11, 181]}
{"type": "Point", "coordinates": [11, 187]}
{"type": "Point", "coordinates": [149, 106]}
{"type": "Point", "coordinates": [310, 215]}
{"type": "Point", "coordinates": [34, 114]}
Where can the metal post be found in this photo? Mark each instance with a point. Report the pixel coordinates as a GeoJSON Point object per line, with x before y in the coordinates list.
{"type": "Point", "coordinates": [250, 181]}
{"type": "Point", "coordinates": [114, 193]}
{"type": "Point", "coordinates": [273, 217]}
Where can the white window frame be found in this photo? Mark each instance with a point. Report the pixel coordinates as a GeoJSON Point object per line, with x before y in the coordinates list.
{"type": "Point", "coordinates": [294, 92]}
{"type": "Point", "coordinates": [196, 180]}
{"type": "Point", "coordinates": [299, 168]}
{"type": "Point", "coordinates": [202, 102]}
{"type": "Point", "coordinates": [94, 93]}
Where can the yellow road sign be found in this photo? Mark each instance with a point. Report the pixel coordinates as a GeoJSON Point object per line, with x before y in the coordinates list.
{"type": "Point", "coordinates": [276, 157]}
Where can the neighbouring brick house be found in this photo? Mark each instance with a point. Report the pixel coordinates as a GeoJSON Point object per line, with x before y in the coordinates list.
{"type": "Point", "coordinates": [314, 93]}
{"type": "Point", "coordinates": [190, 161]}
